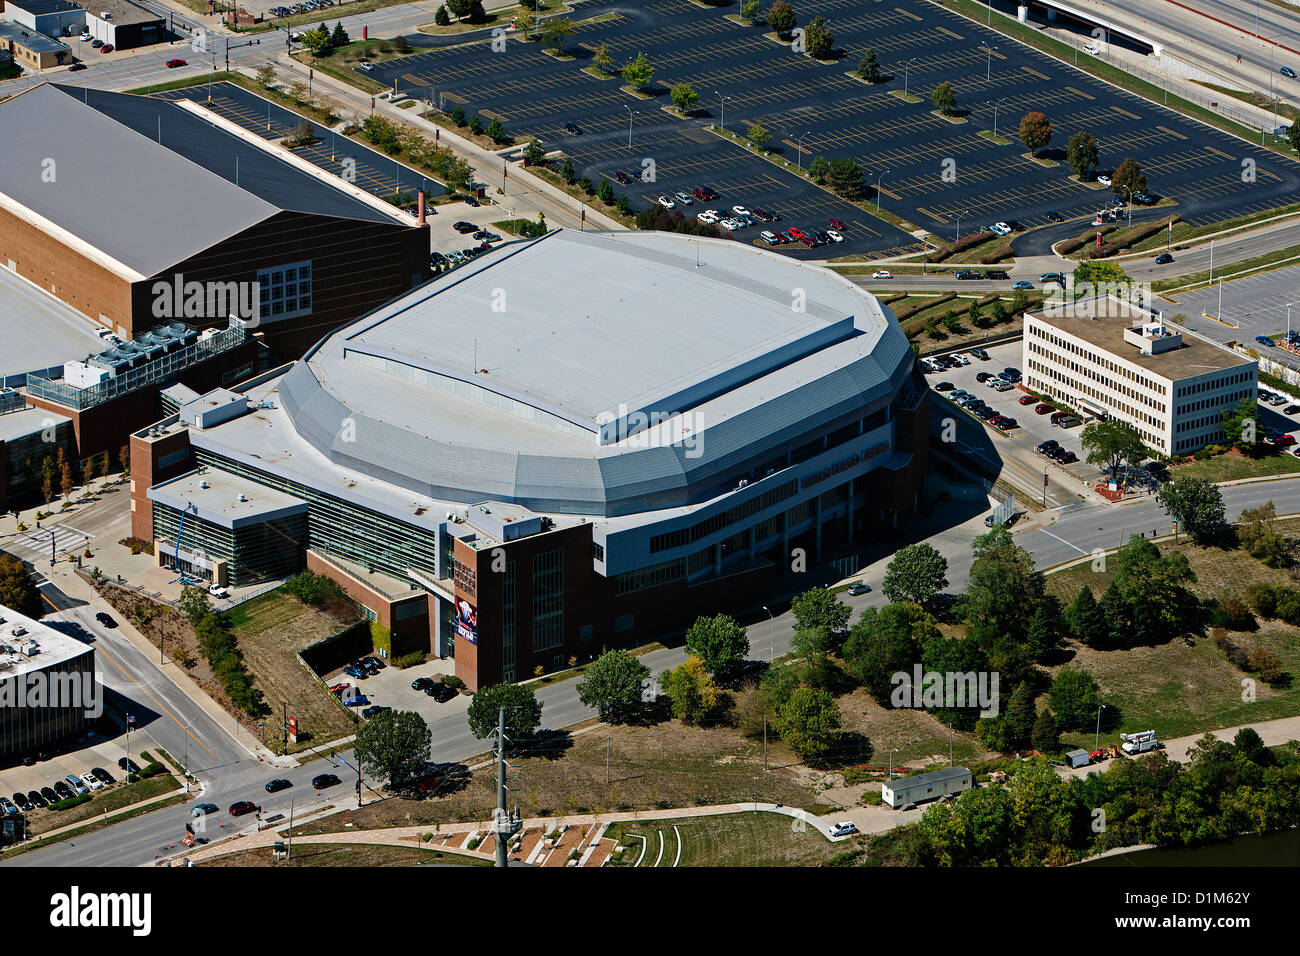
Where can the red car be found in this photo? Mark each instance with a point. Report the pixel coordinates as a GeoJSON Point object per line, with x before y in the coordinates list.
{"type": "Point", "coordinates": [1285, 441]}
{"type": "Point", "coordinates": [700, 194]}
{"type": "Point", "coordinates": [796, 233]}
{"type": "Point", "coordinates": [106, 48]}
{"type": "Point", "coordinates": [242, 807]}
{"type": "Point", "coordinates": [837, 224]}
{"type": "Point", "coordinates": [340, 688]}
{"type": "Point", "coordinates": [1043, 409]}
{"type": "Point", "coordinates": [1027, 399]}
{"type": "Point", "coordinates": [172, 64]}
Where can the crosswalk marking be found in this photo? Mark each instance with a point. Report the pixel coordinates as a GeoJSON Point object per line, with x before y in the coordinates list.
{"type": "Point", "coordinates": [66, 538]}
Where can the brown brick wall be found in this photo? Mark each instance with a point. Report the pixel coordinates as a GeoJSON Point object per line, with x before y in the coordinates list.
{"type": "Point", "coordinates": [59, 270]}
{"type": "Point", "coordinates": [146, 472]}
{"type": "Point", "coordinates": [408, 635]}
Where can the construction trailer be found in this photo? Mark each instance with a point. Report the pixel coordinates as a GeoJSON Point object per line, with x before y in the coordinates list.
{"type": "Point", "coordinates": [901, 791]}
{"type": "Point", "coordinates": [1077, 758]}
{"type": "Point", "coordinates": [1140, 742]}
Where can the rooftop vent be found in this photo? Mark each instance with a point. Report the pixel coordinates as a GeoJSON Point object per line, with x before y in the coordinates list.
{"type": "Point", "coordinates": [204, 484]}
{"type": "Point", "coordinates": [243, 497]}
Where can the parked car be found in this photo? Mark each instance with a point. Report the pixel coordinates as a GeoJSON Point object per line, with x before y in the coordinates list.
{"type": "Point", "coordinates": [844, 828]}
{"type": "Point", "coordinates": [75, 67]}
{"type": "Point", "coordinates": [464, 227]}
{"type": "Point", "coordinates": [1026, 399]}
{"type": "Point", "coordinates": [420, 683]}
{"type": "Point", "coordinates": [278, 784]}
{"type": "Point", "coordinates": [242, 807]}
{"type": "Point", "coordinates": [983, 377]}
{"type": "Point", "coordinates": [441, 692]}
{"type": "Point", "coordinates": [372, 664]}
{"type": "Point", "coordinates": [968, 274]}
{"type": "Point", "coordinates": [573, 128]}
{"type": "Point", "coordinates": [106, 48]}
{"type": "Point", "coordinates": [103, 775]}
{"type": "Point", "coordinates": [1091, 48]}
{"type": "Point", "coordinates": [323, 780]}
{"type": "Point", "coordinates": [23, 803]}
{"type": "Point", "coordinates": [1067, 457]}
{"type": "Point", "coordinates": [944, 387]}
{"type": "Point", "coordinates": [834, 236]}
{"type": "Point", "coordinates": [374, 710]}
{"type": "Point", "coordinates": [7, 806]}
{"type": "Point", "coordinates": [91, 781]}
{"type": "Point", "coordinates": [1291, 409]}
{"type": "Point", "coordinates": [356, 672]}
{"type": "Point", "coordinates": [48, 795]}
{"type": "Point", "coordinates": [1057, 277]}
{"type": "Point", "coordinates": [365, 65]}
{"type": "Point", "coordinates": [1045, 446]}
{"type": "Point", "coordinates": [769, 237]}
{"type": "Point", "coordinates": [105, 619]}
{"type": "Point", "coordinates": [130, 766]}
{"type": "Point", "coordinates": [36, 800]}
{"type": "Point", "coordinates": [1104, 179]}
{"type": "Point", "coordinates": [1055, 217]}
{"type": "Point", "coordinates": [996, 274]}
{"type": "Point", "coordinates": [216, 590]}
{"type": "Point", "coordinates": [63, 790]}
{"type": "Point", "coordinates": [857, 587]}
{"type": "Point", "coordinates": [980, 354]}
{"type": "Point", "coordinates": [666, 202]}
{"type": "Point", "coordinates": [1044, 409]}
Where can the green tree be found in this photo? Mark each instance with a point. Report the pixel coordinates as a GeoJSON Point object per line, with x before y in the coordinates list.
{"type": "Point", "coordinates": [194, 603]}
{"type": "Point", "coordinates": [819, 607]}
{"type": "Point", "coordinates": [1128, 178]}
{"type": "Point", "coordinates": [476, 124]}
{"type": "Point", "coordinates": [317, 40]}
{"type": "Point", "coordinates": [809, 723]}
{"type": "Point", "coordinates": [1293, 136]}
{"type": "Point", "coordinates": [638, 73]}
{"type": "Point", "coordinates": [601, 59]}
{"type": "Point", "coordinates": [393, 745]}
{"type": "Point", "coordinates": [818, 39]}
{"type": "Point", "coordinates": [523, 710]}
{"type": "Point", "coordinates": [266, 75]}
{"type": "Point", "coordinates": [781, 18]}
{"type": "Point", "coordinates": [534, 154]}
{"type": "Point", "coordinates": [1258, 534]}
{"type": "Point", "coordinates": [684, 97]}
{"type": "Point", "coordinates": [18, 591]}
{"type": "Point", "coordinates": [458, 115]}
{"type": "Point", "coordinates": [1001, 595]}
{"type": "Point", "coordinates": [819, 168]}
{"type": "Point", "coordinates": [1074, 696]}
{"type": "Point", "coordinates": [496, 131]}
{"type": "Point", "coordinates": [718, 641]}
{"type": "Point", "coordinates": [885, 641]}
{"type": "Point", "coordinates": [1111, 444]}
{"type": "Point", "coordinates": [1045, 737]}
{"type": "Point", "coordinates": [461, 8]}
{"type": "Point", "coordinates": [751, 10]}
{"type": "Point", "coordinates": [845, 177]}
{"type": "Point", "coordinates": [1035, 131]}
{"type": "Point", "coordinates": [1043, 635]}
{"type": "Point", "coordinates": [917, 573]}
{"type": "Point", "coordinates": [567, 171]}
{"type": "Point", "coordinates": [944, 98]}
{"type": "Point", "coordinates": [555, 32]}
{"type": "Point", "coordinates": [1086, 620]}
{"type": "Point", "coordinates": [757, 133]}
{"type": "Point", "coordinates": [614, 684]}
{"type": "Point", "coordinates": [340, 38]}
{"type": "Point", "coordinates": [869, 68]}
{"type": "Point", "coordinates": [1083, 154]}
{"type": "Point", "coordinates": [1196, 504]}
{"type": "Point", "coordinates": [1241, 425]}
{"type": "Point", "coordinates": [606, 192]}
{"type": "Point", "coordinates": [442, 18]}
{"type": "Point", "coordinates": [1020, 717]}
{"type": "Point", "coordinates": [691, 690]}
{"type": "Point", "coordinates": [1152, 585]}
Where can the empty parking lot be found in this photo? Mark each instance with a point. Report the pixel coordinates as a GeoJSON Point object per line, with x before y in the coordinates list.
{"type": "Point", "coordinates": [813, 108]}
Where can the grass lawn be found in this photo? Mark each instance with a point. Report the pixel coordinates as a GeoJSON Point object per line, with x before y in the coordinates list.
{"type": "Point", "coordinates": [1230, 467]}
{"type": "Point", "coordinates": [346, 855]}
{"type": "Point", "coordinates": [663, 765]}
{"type": "Point", "coordinates": [732, 839]}
{"type": "Point", "coordinates": [495, 18]}
{"type": "Point", "coordinates": [270, 629]}
{"type": "Point", "coordinates": [1177, 689]}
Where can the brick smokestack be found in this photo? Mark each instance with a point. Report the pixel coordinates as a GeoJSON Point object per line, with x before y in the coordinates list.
{"type": "Point", "coordinates": [421, 217]}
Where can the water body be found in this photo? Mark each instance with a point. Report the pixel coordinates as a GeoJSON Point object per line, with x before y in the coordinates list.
{"type": "Point", "coordinates": [1275, 849]}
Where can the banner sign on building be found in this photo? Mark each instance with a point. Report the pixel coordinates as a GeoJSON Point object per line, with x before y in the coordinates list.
{"type": "Point", "coordinates": [466, 621]}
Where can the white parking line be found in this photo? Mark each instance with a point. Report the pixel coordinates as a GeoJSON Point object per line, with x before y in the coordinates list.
{"type": "Point", "coordinates": [1063, 541]}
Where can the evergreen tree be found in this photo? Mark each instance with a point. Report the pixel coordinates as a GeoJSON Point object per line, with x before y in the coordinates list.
{"type": "Point", "coordinates": [1045, 737]}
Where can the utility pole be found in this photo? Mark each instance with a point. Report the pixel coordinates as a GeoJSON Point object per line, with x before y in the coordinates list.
{"type": "Point", "coordinates": [608, 741]}
{"type": "Point", "coordinates": [290, 855]}
{"type": "Point", "coordinates": [284, 725]}
{"type": "Point", "coordinates": [506, 824]}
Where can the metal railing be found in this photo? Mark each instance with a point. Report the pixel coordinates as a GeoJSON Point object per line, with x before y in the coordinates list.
{"type": "Point", "coordinates": [151, 372]}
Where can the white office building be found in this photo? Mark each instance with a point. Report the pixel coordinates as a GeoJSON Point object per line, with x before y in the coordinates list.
{"type": "Point", "coordinates": [1110, 359]}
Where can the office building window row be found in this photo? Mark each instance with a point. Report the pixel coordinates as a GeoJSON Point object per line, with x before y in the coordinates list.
{"type": "Point", "coordinates": [548, 599]}
{"type": "Point", "coordinates": [1094, 358]}
{"type": "Point", "coordinates": [702, 529]}
{"type": "Point", "coordinates": [1112, 385]}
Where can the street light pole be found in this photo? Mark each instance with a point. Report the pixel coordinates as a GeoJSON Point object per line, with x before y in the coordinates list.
{"type": "Point", "coordinates": [891, 762]}
{"type": "Point", "coordinates": [878, 179]}
{"type": "Point", "coordinates": [1096, 744]}
{"type": "Point", "coordinates": [724, 108]}
{"type": "Point", "coordinates": [907, 69]}
{"type": "Point", "coordinates": [798, 160]}
{"type": "Point", "coordinates": [630, 113]}
{"type": "Point", "coordinates": [959, 215]}
{"type": "Point", "coordinates": [996, 104]}
{"type": "Point", "coordinates": [988, 70]}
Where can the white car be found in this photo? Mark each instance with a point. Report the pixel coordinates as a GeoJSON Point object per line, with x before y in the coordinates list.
{"type": "Point", "coordinates": [740, 210]}
{"type": "Point", "coordinates": [769, 237]}
{"type": "Point", "coordinates": [843, 828]}
{"type": "Point", "coordinates": [835, 236]}
{"type": "Point", "coordinates": [1091, 48]}
{"type": "Point", "coordinates": [365, 65]}
{"type": "Point", "coordinates": [216, 590]}
{"type": "Point", "coordinates": [1104, 179]}
{"type": "Point", "coordinates": [684, 199]}
{"type": "Point", "coordinates": [93, 782]}
{"type": "Point", "coordinates": [666, 202]}
{"type": "Point", "coordinates": [707, 215]}
{"type": "Point", "coordinates": [1000, 229]}
{"type": "Point", "coordinates": [729, 224]}
{"type": "Point", "coordinates": [960, 359]}
{"type": "Point", "coordinates": [882, 274]}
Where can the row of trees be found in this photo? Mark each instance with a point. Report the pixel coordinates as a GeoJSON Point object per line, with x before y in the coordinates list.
{"type": "Point", "coordinates": [59, 474]}
{"type": "Point", "coordinates": [1225, 790]}
{"type": "Point", "coordinates": [395, 138]}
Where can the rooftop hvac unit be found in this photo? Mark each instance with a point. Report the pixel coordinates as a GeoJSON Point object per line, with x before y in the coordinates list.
{"type": "Point", "coordinates": [243, 497]}
{"type": "Point", "coordinates": [204, 484]}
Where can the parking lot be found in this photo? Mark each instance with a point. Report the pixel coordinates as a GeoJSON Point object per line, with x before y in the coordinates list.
{"type": "Point", "coordinates": [1014, 448]}
{"type": "Point", "coordinates": [86, 754]}
{"type": "Point", "coordinates": [1253, 305]}
{"type": "Point", "coordinates": [391, 687]}
{"type": "Point", "coordinates": [812, 108]}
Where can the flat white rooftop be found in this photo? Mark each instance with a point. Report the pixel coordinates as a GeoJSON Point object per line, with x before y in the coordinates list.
{"type": "Point", "coordinates": [37, 330]}
{"type": "Point", "coordinates": [52, 647]}
{"type": "Point", "coordinates": [225, 499]}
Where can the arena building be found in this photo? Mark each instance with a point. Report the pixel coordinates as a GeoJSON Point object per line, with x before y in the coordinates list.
{"type": "Point", "coordinates": [575, 442]}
